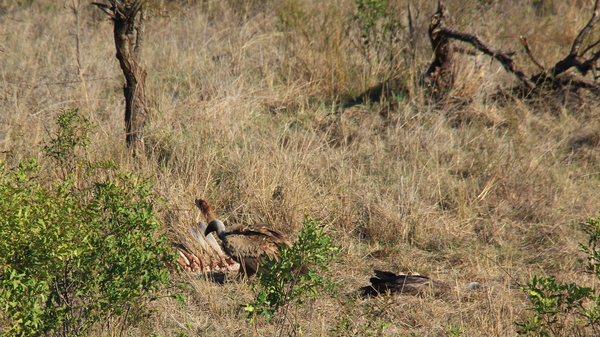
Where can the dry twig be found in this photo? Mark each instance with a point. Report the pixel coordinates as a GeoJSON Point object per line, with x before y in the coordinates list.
{"type": "Point", "coordinates": [530, 53]}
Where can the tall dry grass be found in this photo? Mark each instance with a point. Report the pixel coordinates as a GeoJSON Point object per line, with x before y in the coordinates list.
{"type": "Point", "coordinates": [242, 98]}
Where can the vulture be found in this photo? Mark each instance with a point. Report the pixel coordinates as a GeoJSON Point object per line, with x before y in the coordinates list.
{"type": "Point", "coordinates": [203, 254]}
{"type": "Point", "coordinates": [403, 284]}
{"type": "Point", "coordinates": [246, 245]}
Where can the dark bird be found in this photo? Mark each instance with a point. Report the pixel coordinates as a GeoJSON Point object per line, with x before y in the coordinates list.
{"type": "Point", "coordinates": [401, 284]}
{"type": "Point", "coordinates": [246, 245]}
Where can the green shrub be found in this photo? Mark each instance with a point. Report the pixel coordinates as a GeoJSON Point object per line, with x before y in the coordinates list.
{"type": "Point", "coordinates": [379, 30]}
{"type": "Point", "coordinates": [73, 132]}
{"type": "Point", "coordinates": [72, 257]}
{"type": "Point", "coordinates": [566, 309]}
{"type": "Point", "coordinates": [284, 284]}
{"type": "Point", "coordinates": [76, 253]}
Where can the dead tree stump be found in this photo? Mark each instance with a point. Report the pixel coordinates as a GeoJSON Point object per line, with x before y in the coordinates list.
{"type": "Point", "coordinates": [439, 77]}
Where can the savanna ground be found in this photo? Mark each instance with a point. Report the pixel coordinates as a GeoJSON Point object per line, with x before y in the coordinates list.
{"type": "Point", "coordinates": [243, 113]}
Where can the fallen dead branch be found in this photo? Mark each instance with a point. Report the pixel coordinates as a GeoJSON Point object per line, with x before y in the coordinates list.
{"type": "Point", "coordinates": [440, 75]}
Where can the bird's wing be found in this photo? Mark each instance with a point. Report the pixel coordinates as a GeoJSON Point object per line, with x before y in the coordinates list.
{"type": "Point", "coordinates": [383, 274]}
{"type": "Point", "coordinates": [265, 234]}
{"type": "Point", "coordinates": [245, 251]}
{"type": "Point", "coordinates": [199, 238]}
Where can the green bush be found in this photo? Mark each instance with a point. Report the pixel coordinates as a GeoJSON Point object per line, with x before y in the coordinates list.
{"type": "Point", "coordinates": [73, 132]}
{"type": "Point", "coordinates": [75, 254]}
{"type": "Point", "coordinates": [566, 309]}
{"type": "Point", "coordinates": [379, 30]}
{"type": "Point", "coordinates": [284, 284]}
{"type": "Point", "coordinates": [72, 257]}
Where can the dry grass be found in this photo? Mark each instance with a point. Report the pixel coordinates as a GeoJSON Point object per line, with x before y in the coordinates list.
{"type": "Point", "coordinates": [242, 107]}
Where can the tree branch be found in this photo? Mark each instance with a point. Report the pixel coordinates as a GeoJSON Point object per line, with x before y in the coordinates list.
{"type": "Point", "coordinates": [442, 35]}
{"type": "Point", "coordinates": [572, 60]}
{"type": "Point", "coordinates": [530, 54]}
{"type": "Point", "coordinates": [585, 31]}
{"type": "Point", "coordinates": [502, 56]}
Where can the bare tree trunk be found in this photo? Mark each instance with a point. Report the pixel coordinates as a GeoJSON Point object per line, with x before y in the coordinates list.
{"type": "Point", "coordinates": [128, 18]}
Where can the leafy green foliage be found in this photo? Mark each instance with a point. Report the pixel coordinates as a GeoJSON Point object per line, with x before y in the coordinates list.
{"type": "Point", "coordinates": [73, 132]}
{"type": "Point", "coordinates": [73, 255]}
{"type": "Point", "coordinates": [369, 12]}
{"type": "Point", "coordinates": [378, 30]}
{"type": "Point", "coordinates": [566, 309]}
{"type": "Point", "coordinates": [285, 284]}
{"type": "Point", "coordinates": [592, 249]}
{"type": "Point", "coordinates": [554, 305]}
